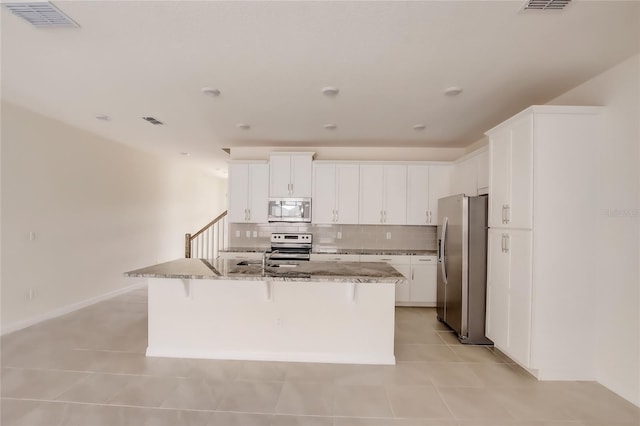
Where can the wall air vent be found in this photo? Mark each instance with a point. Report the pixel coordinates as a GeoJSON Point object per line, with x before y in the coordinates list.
{"type": "Point", "coordinates": [546, 4]}
{"type": "Point", "coordinates": [153, 121]}
{"type": "Point", "coordinates": [41, 15]}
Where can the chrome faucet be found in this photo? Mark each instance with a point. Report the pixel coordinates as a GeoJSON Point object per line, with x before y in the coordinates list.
{"type": "Point", "coordinates": [266, 258]}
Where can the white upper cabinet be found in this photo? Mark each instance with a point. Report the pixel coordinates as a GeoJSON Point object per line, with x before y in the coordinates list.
{"type": "Point", "coordinates": [439, 187]}
{"type": "Point", "coordinates": [483, 173]}
{"type": "Point", "coordinates": [425, 185]}
{"type": "Point", "coordinates": [335, 193]}
{"type": "Point", "coordinates": [383, 194]}
{"type": "Point", "coordinates": [290, 174]}
{"type": "Point", "coordinates": [511, 175]}
{"type": "Point", "coordinates": [418, 195]}
{"type": "Point", "coordinates": [248, 192]}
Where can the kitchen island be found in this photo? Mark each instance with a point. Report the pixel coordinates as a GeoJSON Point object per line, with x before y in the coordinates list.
{"type": "Point", "coordinates": [311, 312]}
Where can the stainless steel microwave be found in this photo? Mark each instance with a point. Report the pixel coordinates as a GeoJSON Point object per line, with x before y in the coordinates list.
{"type": "Point", "coordinates": [290, 210]}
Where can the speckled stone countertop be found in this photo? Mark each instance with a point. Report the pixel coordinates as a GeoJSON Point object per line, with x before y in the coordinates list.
{"type": "Point", "coordinates": [227, 269]}
{"type": "Point", "coordinates": [379, 252]}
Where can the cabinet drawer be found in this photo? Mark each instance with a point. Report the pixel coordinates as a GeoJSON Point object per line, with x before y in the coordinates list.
{"type": "Point", "coordinates": [328, 257]}
{"type": "Point", "coordinates": [241, 255]}
{"type": "Point", "coordinates": [423, 260]}
{"type": "Point", "coordinates": [394, 259]}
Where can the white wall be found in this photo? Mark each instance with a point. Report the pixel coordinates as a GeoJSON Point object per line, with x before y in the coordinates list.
{"type": "Point", "coordinates": [97, 208]}
{"type": "Point", "coordinates": [616, 234]}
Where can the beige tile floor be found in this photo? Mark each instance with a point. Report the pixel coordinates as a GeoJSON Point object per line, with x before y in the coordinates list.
{"type": "Point", "coordinates": [88, 369]}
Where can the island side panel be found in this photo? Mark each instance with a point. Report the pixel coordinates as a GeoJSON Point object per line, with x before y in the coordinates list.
{"type": "Point", "coordinates": [276, 321]}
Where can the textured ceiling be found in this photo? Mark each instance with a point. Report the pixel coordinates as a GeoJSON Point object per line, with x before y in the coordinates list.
{"type": "Point", "coordinates": [391, 61]}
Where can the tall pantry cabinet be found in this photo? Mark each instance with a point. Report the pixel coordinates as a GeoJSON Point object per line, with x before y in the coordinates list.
{"type": "Point", "coordinates": [543, 168]}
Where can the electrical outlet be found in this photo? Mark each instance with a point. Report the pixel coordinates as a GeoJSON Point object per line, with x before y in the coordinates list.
{"type": "Point", "coordinates": [339, 235]}
{"type": "Point", "coordinates": [255, 234]}
{"type": "Point", "coordinates": [388, 235]}
{"type": "Point", "coordinates": [248, 234]}
{"type": "Point", "coordinates": [237, 234]}
{"type": "Point", "coordinates": [32, 236]}
{"type": "Point", "coordinates": [31, 294]}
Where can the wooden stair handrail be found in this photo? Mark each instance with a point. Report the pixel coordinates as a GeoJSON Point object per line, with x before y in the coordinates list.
{"type": "Point", "coordinates": [188, 237]}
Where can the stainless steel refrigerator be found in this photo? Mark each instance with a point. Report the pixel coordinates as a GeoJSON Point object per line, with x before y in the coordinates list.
{"type": "Point", "coordinates": [462, 266]}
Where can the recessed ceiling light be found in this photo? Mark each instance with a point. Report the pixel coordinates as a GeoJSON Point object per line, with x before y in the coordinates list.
{"type": "Point", "coordinates": [330, 126]}
{"type": "Point", "coordinates": [186, 154]}
{"type": "Point", "coordinates": [330, 91]}
{"type": "Point", "coordinates": [103, 117]}
{"type": "Point", "coordinates": [453, 91]}
{"type": "Point", "coordinates": [209, 91]}
{"type": "Point", "coordinates": [419, 127]}
{"type": "Point", "coordinates": [243, 126]}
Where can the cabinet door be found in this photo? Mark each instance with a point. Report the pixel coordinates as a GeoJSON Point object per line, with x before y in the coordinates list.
{"type": "Point", "coordinates": [395, 195]}
{"type": "Point", "coordinates": [371, 194]}
{"type": "Point", "coordinates": [483, 173]}
{"type": "Point", "coordinates": [347, 186]}
{"type": "Point", "coordinates": [518, 247]}
{"type": "Point", "coordinates": [238, 188]}
{"type": "Point", "coordinates": [418, 195]}
{"type": "Point", "coordinates": [439, 187]}
{"type": "Point", "coordinates": [403, 290]}
{"type": "Point", "coordinates": [301, 175]}
{"type": "Point", "coordinates": [258, 193]}
{"type": "Point", "coordinates": [499, 176]}
{"type": "Point", "coordinates": [465, 175]}
{"type": "Point", "coordinates": [280, 176]}
{"type": "Point", "coordinates": [521, 188]}
{"type": "Point", "coordinates": [497, 324]}
{"type": "Point", "coordinates": [423, 283]}
{"type": "Point", "coordinates": [324, 193]}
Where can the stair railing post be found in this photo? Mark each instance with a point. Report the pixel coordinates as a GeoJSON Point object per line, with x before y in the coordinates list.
{"type": "Point", "coordinates": [187, 246]}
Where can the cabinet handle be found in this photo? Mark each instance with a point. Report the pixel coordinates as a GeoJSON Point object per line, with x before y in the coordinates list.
{"type": "Point", "coordinates": [504, 209]}
{"type": "Point", "coordinates": [249, 214]}
{"type": "Point", "coordinates": [412, 274]}
{"type": "Point", "coordinates": [336, 215]}
{"type": "Point", "coordinates": [385, 216]}
{"type": "Point", "coordinates": [506, 243]}
{"type": "Point", "coordinates": [502, 242]}
{"type": "Point", "coordinates": [426, 213]}
{"type": "Point", "coordinates": [508, 213]}
{"type": "Point", "coordinates": [245, 215]}
{"type": "Point", "coordinates": [381, 217]}
{"type": "Point", "coordinates": [430, 217]}
{"type": "Point", "coordinates": [386, 260]}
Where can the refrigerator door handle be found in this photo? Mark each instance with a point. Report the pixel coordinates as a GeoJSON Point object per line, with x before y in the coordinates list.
{"type": "Point", "coordinates": [443, 268]}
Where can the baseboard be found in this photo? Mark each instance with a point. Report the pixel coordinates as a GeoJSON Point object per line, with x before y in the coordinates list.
{"type": "Point", "coordinates": [329, 358]}
{"type": "Point", "coordinates": [19, 325]}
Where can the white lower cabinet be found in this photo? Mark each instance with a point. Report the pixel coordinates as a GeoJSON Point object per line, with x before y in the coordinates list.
{"type": "Point", "coordinates": [423, 280]}
{"type": "Point", "coordinates": [509, 293]}
{"type": "Point", "coordinates": [420, 272]}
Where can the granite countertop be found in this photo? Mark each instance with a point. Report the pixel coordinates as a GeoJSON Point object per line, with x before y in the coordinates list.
{"type": "Point", "coordinates": [379, 252]}
{"type": "Point", "coordinates": [228, 269]}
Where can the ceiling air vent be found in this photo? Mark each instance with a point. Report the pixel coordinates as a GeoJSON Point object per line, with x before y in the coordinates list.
{"type": "Point", "coordinates": [546, 4]}
{"type": "Point", "coordinates": [41, 15]}
{"type": "Point", "coordinates": [153, 121]}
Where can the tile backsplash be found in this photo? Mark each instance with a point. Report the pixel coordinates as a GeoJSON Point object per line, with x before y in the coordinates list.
{"type": "Point", "coordinates": [327, 236]}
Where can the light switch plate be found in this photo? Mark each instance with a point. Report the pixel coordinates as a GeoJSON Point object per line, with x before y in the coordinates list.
{"type": "Point", "coordinates": [248, 234]}
{"type": "Point", "coordinates": [237, 234]}
{"type": "Point", "coordinates": [255, 234]}
{"type": "Point", "coordinates": [388, 235]}
{"type": "Point", "coordinates": [339, 235]}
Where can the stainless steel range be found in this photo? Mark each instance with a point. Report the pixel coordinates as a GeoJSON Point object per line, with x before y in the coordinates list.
{"type": "Point", "coordinates": [290, 246]}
